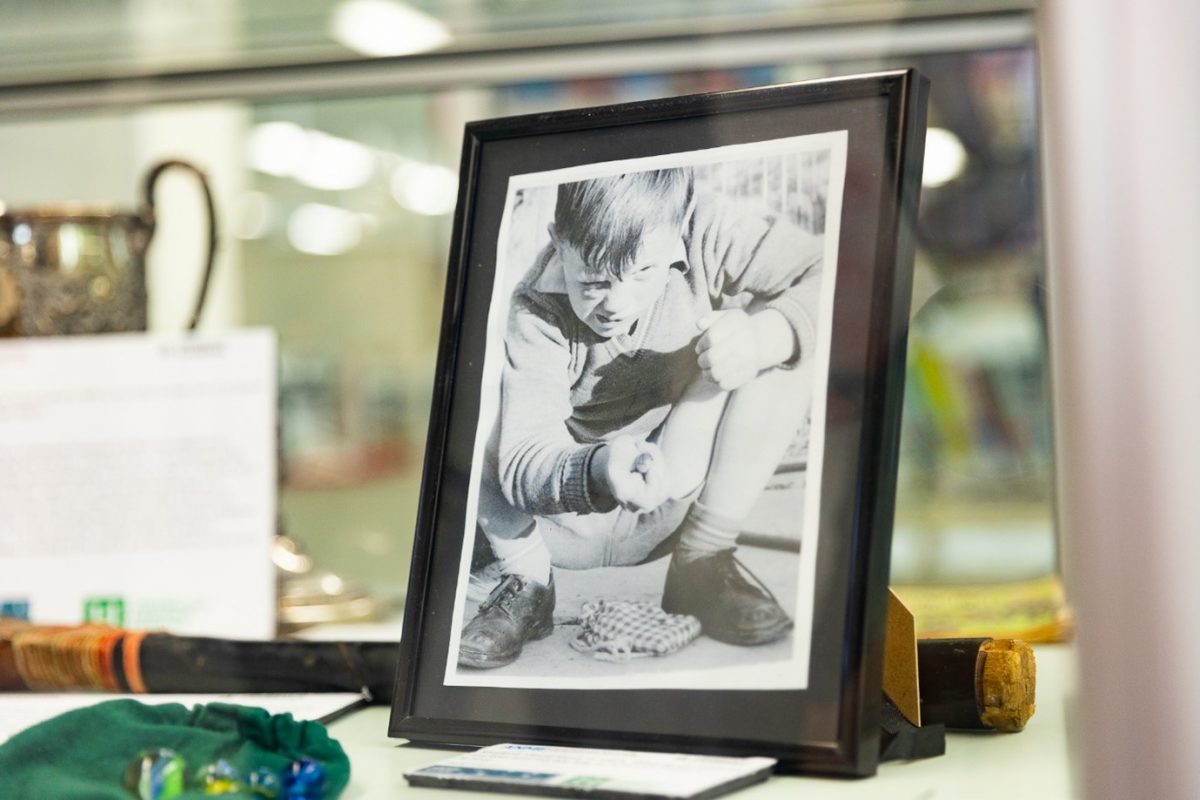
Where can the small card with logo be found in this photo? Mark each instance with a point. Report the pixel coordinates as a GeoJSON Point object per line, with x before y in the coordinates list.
{"type": "Point", "coordinates": [592, 773]}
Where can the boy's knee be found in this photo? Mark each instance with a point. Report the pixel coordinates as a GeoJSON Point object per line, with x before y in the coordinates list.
{"type": "Point", "coordinates": [774, 403]}
{"type": "Point", "coordinates": [497, 516]}
{"type": "Point", "coordinates": [774, 384]}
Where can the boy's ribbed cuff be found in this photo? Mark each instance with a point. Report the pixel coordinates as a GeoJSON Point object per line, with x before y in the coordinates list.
{"type": "Point", "coordinates": [799, 306]}
{"type": "Point", "coordinates": [576, 495]}
{"type": "Point", "coordinates": [802, 326]}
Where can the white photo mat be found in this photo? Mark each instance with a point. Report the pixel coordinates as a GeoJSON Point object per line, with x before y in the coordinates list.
{"type": "Point", "coordinates": [787, 674]}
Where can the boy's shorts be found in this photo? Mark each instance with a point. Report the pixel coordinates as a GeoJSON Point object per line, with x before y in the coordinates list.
{"type": "Point", "coordinates": [618, 538]}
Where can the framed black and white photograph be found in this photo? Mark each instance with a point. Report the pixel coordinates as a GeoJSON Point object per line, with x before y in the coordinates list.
{"type": "Point", "coordinates": [658, 488]}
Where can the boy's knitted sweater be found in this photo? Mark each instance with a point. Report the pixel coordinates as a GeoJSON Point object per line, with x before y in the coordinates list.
{"type": "Point", "coordinates": [565, 390]}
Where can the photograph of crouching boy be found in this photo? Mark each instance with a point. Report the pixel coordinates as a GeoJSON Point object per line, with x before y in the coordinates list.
{"type": "Point", "coordinates": [659, 359]}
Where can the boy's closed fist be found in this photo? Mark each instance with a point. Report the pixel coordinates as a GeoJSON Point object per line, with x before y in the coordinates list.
{"type": "Point", "coordinates": [734, 346]}
{"type": "Point", "coordinates": [727, 352]}
{"type": "Point", "coordinates": [632, 471]}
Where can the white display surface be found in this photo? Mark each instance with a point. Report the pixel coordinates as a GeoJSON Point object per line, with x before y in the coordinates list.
{"type": "Point", "coordinates": [138, 481]}
{"type": "Point", "coordinates": [1035, 763]}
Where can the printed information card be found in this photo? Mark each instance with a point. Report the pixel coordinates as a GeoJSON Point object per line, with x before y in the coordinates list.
{"type": "Point", "coordinates": [138, 481]}
{"type": "Point", "coordinates": [593, 773]}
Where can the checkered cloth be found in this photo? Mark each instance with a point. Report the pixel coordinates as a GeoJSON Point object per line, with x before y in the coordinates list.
{"type": "Point", "coordinates": [618, 630]}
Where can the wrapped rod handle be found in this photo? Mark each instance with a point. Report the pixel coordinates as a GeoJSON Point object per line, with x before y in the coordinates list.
{"type": "Point", "coordinates": [977, 684]}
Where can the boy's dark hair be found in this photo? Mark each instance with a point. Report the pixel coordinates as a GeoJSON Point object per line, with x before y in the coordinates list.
{"type": "Point", "coordinates": [604, 219]}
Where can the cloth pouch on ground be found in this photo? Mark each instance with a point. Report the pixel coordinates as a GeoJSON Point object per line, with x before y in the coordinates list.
{"type": "Point", "coordinates": [84, 753]}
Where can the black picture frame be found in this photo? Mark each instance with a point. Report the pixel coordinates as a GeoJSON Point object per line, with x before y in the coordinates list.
{"type": "Point", "coordinates": [830, 726]}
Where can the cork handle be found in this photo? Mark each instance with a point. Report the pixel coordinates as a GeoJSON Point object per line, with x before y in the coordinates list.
{"type": "Point", "coordinates": [1007, 675]}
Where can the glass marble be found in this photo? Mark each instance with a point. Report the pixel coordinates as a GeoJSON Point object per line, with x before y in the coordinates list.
{"type": "Point", "coordinates": [219, 778]}
{"type": "Point", "coordinates": [304, 779]}
{"type": "Point", "coordinates": [156, 775]}
{"type": "Point", "coordinates": [265, 782]}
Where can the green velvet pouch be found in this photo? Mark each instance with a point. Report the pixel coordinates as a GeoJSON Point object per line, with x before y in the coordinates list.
{"type": "Point", "coordinates": [84, 753]}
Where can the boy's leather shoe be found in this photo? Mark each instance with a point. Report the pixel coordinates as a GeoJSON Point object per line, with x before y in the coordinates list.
{"type": "Point", "coordinates": [730, 608]}
{"type": "Point", "coordinates": [517, 610]}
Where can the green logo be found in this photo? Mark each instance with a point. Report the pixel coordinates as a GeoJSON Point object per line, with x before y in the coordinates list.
{"type": "Point", "coordinates": [104, 609]}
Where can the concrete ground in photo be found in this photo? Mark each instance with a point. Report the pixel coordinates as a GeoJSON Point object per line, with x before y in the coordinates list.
{"type": "Point", "coordinates": [778, 513]}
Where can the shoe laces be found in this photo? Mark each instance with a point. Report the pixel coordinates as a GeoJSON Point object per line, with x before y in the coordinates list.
{"type": "Point", "coordinates": [503, 594]}
{"type": "Point", "coordinates": [731, 566]}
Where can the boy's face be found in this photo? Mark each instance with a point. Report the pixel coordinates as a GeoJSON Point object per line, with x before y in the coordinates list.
{"type": "Point", "coordinates": [609, 305]}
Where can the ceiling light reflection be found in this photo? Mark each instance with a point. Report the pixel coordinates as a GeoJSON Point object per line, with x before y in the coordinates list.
{"type": "Point", "coordinates": [323, 230]}
{"type": "Point", "coordinates": [334, 164]}
{"type": "Point", "coordinates": [945, 157]}
{"type": "Point", "coordinates": [315, 159]}
{"type": "Point", "coordinates": [428, 189]}
{"type": "Point", "coordinates": [276, 147]}
{"type": "Point", "coordinates": [386, 28]}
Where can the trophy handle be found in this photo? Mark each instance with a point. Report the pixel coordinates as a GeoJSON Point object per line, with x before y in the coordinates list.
{"type": "Point", "coordinates": [148, 214]}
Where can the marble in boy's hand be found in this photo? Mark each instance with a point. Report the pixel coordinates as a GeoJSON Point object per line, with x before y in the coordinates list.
{"type": "Point", "coordinates": [634, 472]}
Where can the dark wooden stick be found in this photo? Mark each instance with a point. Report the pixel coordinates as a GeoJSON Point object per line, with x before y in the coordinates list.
{"type": "Point", "coordinates": [965, 684]}
{"type": "Point", "coordinates": [141, 662]}
{"type": "Point", "coordinates": [194, 664]}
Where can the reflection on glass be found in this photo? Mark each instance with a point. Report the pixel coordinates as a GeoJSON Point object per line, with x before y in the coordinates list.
{"type": "Point", "coordinates": [386, 28]}
{"type": "Point", "coordinates": [945, 158]}
{"type": "Point", "coordinates": [974, 501]}
{"type": "Point", "coordinates": [340, 208]}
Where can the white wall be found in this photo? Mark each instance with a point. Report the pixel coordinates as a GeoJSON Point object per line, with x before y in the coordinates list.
{"type": "Point", "coordinates": [1123, 121]}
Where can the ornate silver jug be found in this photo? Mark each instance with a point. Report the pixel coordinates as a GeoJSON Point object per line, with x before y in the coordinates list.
{"type": "Point", "coordinates": [76, 269]}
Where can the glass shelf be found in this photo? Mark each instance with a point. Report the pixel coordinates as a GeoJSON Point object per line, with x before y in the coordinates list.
{"type": "Point", "coordinates": [340, 242]}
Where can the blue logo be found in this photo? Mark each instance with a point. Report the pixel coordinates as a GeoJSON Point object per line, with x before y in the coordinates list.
{"type": "Point", "coordinates": [15, 609]}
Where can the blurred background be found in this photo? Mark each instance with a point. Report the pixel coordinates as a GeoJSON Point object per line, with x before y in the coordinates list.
{"type": "Point", "coordinates": [331, 132]}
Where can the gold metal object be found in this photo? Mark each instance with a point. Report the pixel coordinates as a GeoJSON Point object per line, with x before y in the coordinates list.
{"type": "Point", "coordinates": [311, 597]}
{"type": "Point", "coordinates": [70, 269]}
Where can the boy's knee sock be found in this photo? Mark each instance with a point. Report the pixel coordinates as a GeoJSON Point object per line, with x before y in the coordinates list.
{"type": "Point", "coordinates": [527, 555]}
{"type": "Point", "coordinates": [704, 532]}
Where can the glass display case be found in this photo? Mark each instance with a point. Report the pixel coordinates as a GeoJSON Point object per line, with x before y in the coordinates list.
{"type": "Point", "coordinates": [331, 133]}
